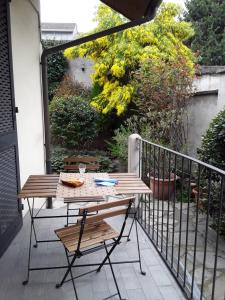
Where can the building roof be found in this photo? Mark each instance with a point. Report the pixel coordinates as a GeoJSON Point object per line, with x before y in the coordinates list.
{"type": "Point", "coordinates": [134, 9]}
{"type": "Point", "coordinates": [69, 27]}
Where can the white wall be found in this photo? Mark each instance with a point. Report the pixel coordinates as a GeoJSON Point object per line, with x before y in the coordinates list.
{"type": "Point", "coordinates": [204, 107]}
{"type": "Point", "coordinates": [80, 69]}
{"type": "Point", "coordinates": [57, 36]}
{"type": "Point", "coordinates": [26, 50]}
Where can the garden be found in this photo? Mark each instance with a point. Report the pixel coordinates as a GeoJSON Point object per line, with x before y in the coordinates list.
{"type": "Point", "coordinates": [141, 83]}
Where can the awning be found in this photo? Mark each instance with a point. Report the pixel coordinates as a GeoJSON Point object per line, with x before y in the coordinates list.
{"type": "Point", "coordinates": [134, 9]}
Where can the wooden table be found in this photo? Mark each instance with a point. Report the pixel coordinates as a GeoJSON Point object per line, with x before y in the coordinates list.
{"type": "Point", "coordinates": [45, 186]}
{"type": "Point", "coordinates": [129, 183]}
{"type": "Point", "coordinates": [39, 186]}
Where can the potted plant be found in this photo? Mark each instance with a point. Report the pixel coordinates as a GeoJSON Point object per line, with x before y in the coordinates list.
{"type": "Point", "coordinates": [162, 177]}
{"type": "Point", "coordinates": [163, 188]}
{"type": "Point", "coordinates": [198, 195]}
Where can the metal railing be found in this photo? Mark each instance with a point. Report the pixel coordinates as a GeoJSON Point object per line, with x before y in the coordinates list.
{"type": "Point", "coordinates": [185, 218]}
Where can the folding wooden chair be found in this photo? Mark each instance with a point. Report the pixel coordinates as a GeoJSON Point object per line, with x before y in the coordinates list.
{"type": "Point", "coordinates": [90, 234]}
{"type": "Point", "coordinates": [71, 164]}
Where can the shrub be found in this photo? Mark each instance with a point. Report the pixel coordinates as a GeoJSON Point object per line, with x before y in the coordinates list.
{"type": "Point", "coordinates": [57, 156]}
{"type": "Point", "coordinates": [213, 142]}
{"type": "Point", "coordinates": [73, 122]}
{"type": "Point", "coordinates": [69, 87]}
{"type": "Point", "coordinates": [106, 162]}
{"type": "Point", "coordinates": [212, 152]}
{"type": "Point", "coordinates": [119, 145]}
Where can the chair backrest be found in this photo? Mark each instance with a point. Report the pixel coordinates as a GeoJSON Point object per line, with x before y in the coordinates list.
{"type": "Point", "coordinates": [119, 207]}
{"type": "Point", "coordinates": [71, 163]}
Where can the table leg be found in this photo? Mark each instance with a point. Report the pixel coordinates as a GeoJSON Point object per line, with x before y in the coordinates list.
{"type": "Point", "coordinates": [31, 209]}
{"type": "Point", "coordinates": [134, 219]}
{"type": "Point", "coordinates": [32, 221]}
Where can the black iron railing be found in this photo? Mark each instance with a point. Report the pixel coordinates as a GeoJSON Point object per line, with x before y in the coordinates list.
{"type": "Point", "coordinates": [185, 218]}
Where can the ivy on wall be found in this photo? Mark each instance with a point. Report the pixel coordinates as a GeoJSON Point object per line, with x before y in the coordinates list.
{"type": "Point", "coordinates": [57, 67]}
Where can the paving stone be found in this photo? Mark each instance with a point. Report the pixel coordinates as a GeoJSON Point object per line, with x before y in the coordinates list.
{"type": "Point", "coordinates": [133, 285]}
{"type": "Point", "coordinates": [136, 294]}
{"type": "Point", "coordinates": [160, 277]}
{"type": "Point", "coordinates": [170, 293]}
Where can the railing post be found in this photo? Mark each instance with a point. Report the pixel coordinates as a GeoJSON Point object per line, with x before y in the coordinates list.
{"type": "Point", "coordinates": [134, 164]}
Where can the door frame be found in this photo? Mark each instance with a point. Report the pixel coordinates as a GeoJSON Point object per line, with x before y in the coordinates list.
{"type": "Point", "coordinates": [10, 139]}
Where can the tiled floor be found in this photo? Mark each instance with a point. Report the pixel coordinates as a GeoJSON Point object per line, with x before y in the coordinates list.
{"type": "Point", "coordinates": [158, 284]}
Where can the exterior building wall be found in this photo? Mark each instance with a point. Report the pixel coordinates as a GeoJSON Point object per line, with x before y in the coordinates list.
{"type": "Point", "coordinates": [26, 50]}
{"type": "Point", "coordinates": [80, 69]}
{"type": "Point", "coordinates": [204, 106]}
{"type": "Point", "coordinates": [57, 36]}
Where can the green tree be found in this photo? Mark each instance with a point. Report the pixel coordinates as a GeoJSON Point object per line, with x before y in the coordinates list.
{"type": "Point", "coordinates": [57, 66]}
{"type": "Point", "coordinates": [208, 19]}
{"type": "Point", "coordinates": [118, 55]}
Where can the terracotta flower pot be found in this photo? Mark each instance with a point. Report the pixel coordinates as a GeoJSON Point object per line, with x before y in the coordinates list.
{"type": "Point", "coordinates": [194, 195]}
{"type": "Point", "coordinates": [163, 189]}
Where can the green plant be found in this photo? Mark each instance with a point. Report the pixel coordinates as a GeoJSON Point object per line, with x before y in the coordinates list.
{"type": "Point", "coordinates": [212, 152]}
{"type": "Point", "coordinates": [73, 122]}
{"type": "Point", "coordinates": [106, 162]}
{"type": "Point", "coordinates": [163, 90]}
{"type": "Point", "coordinates": [57, 156]}
{"type": "Point", "coordinates": [207, 17]}
{"type": "Point", "coordinates": [117, 56]}
{"type": "Point", "coordinates": [213, 142]}
{"type": "Point", "coordinates": [119, 143]}
{"type": "Point", "coordinates": [69, 87]}
{"type": "Point", "coordinates": [57, 67]}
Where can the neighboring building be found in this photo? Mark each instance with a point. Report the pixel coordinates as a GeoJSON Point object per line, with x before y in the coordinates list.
{"type": "Point", "coordinates": [79, 69]}
{"type": "Point", "coordinates": [208, 100]}
{"type": "Point", "coordinates": [59, 31]}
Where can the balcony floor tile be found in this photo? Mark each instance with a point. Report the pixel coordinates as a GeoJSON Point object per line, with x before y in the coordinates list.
{"type": "Point", "coordinates": [158, 284]}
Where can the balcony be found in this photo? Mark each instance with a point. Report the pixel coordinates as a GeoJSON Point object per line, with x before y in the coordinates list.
{"type": "Point", "coordinates": [158, 284]}
{"type": "Point", "coordinates": [181, 225]}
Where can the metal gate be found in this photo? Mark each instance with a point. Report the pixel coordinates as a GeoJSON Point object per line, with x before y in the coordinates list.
{"type": "Point", "coordinates": [10, 206]}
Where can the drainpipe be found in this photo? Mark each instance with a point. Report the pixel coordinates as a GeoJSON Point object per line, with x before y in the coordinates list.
{"type": "Point", "coordinates": [46, 118]}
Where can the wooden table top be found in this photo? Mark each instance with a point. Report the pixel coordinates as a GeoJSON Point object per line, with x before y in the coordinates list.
{"type": "Point", "coordinates": [43, 186]}
{"type": "Point", "coordinates": [40, 186]}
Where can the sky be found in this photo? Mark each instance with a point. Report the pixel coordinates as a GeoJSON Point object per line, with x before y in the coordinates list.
{"type": "Point", "coordinates": [80, 12]}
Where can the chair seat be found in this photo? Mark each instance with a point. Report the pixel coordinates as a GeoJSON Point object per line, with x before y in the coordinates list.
{"type": "Point", "coordinates": [93, 234]}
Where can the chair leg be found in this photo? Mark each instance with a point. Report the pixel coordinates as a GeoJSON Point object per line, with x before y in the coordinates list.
{"type": "Point", "coordinates": [131, 226]}
{"type": "Point", "coordinates": [107, 256]}
{"type": "Point", "coordinates": [67, 215]}
{"type": "Point", "coordinates": [70, 264]}
{"type": "Point", "coordinates": [138, 246]}
{"type": "Point", "coordinates": [71, 274]}
{"type": "Point", "coordinates": [113, 274]}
